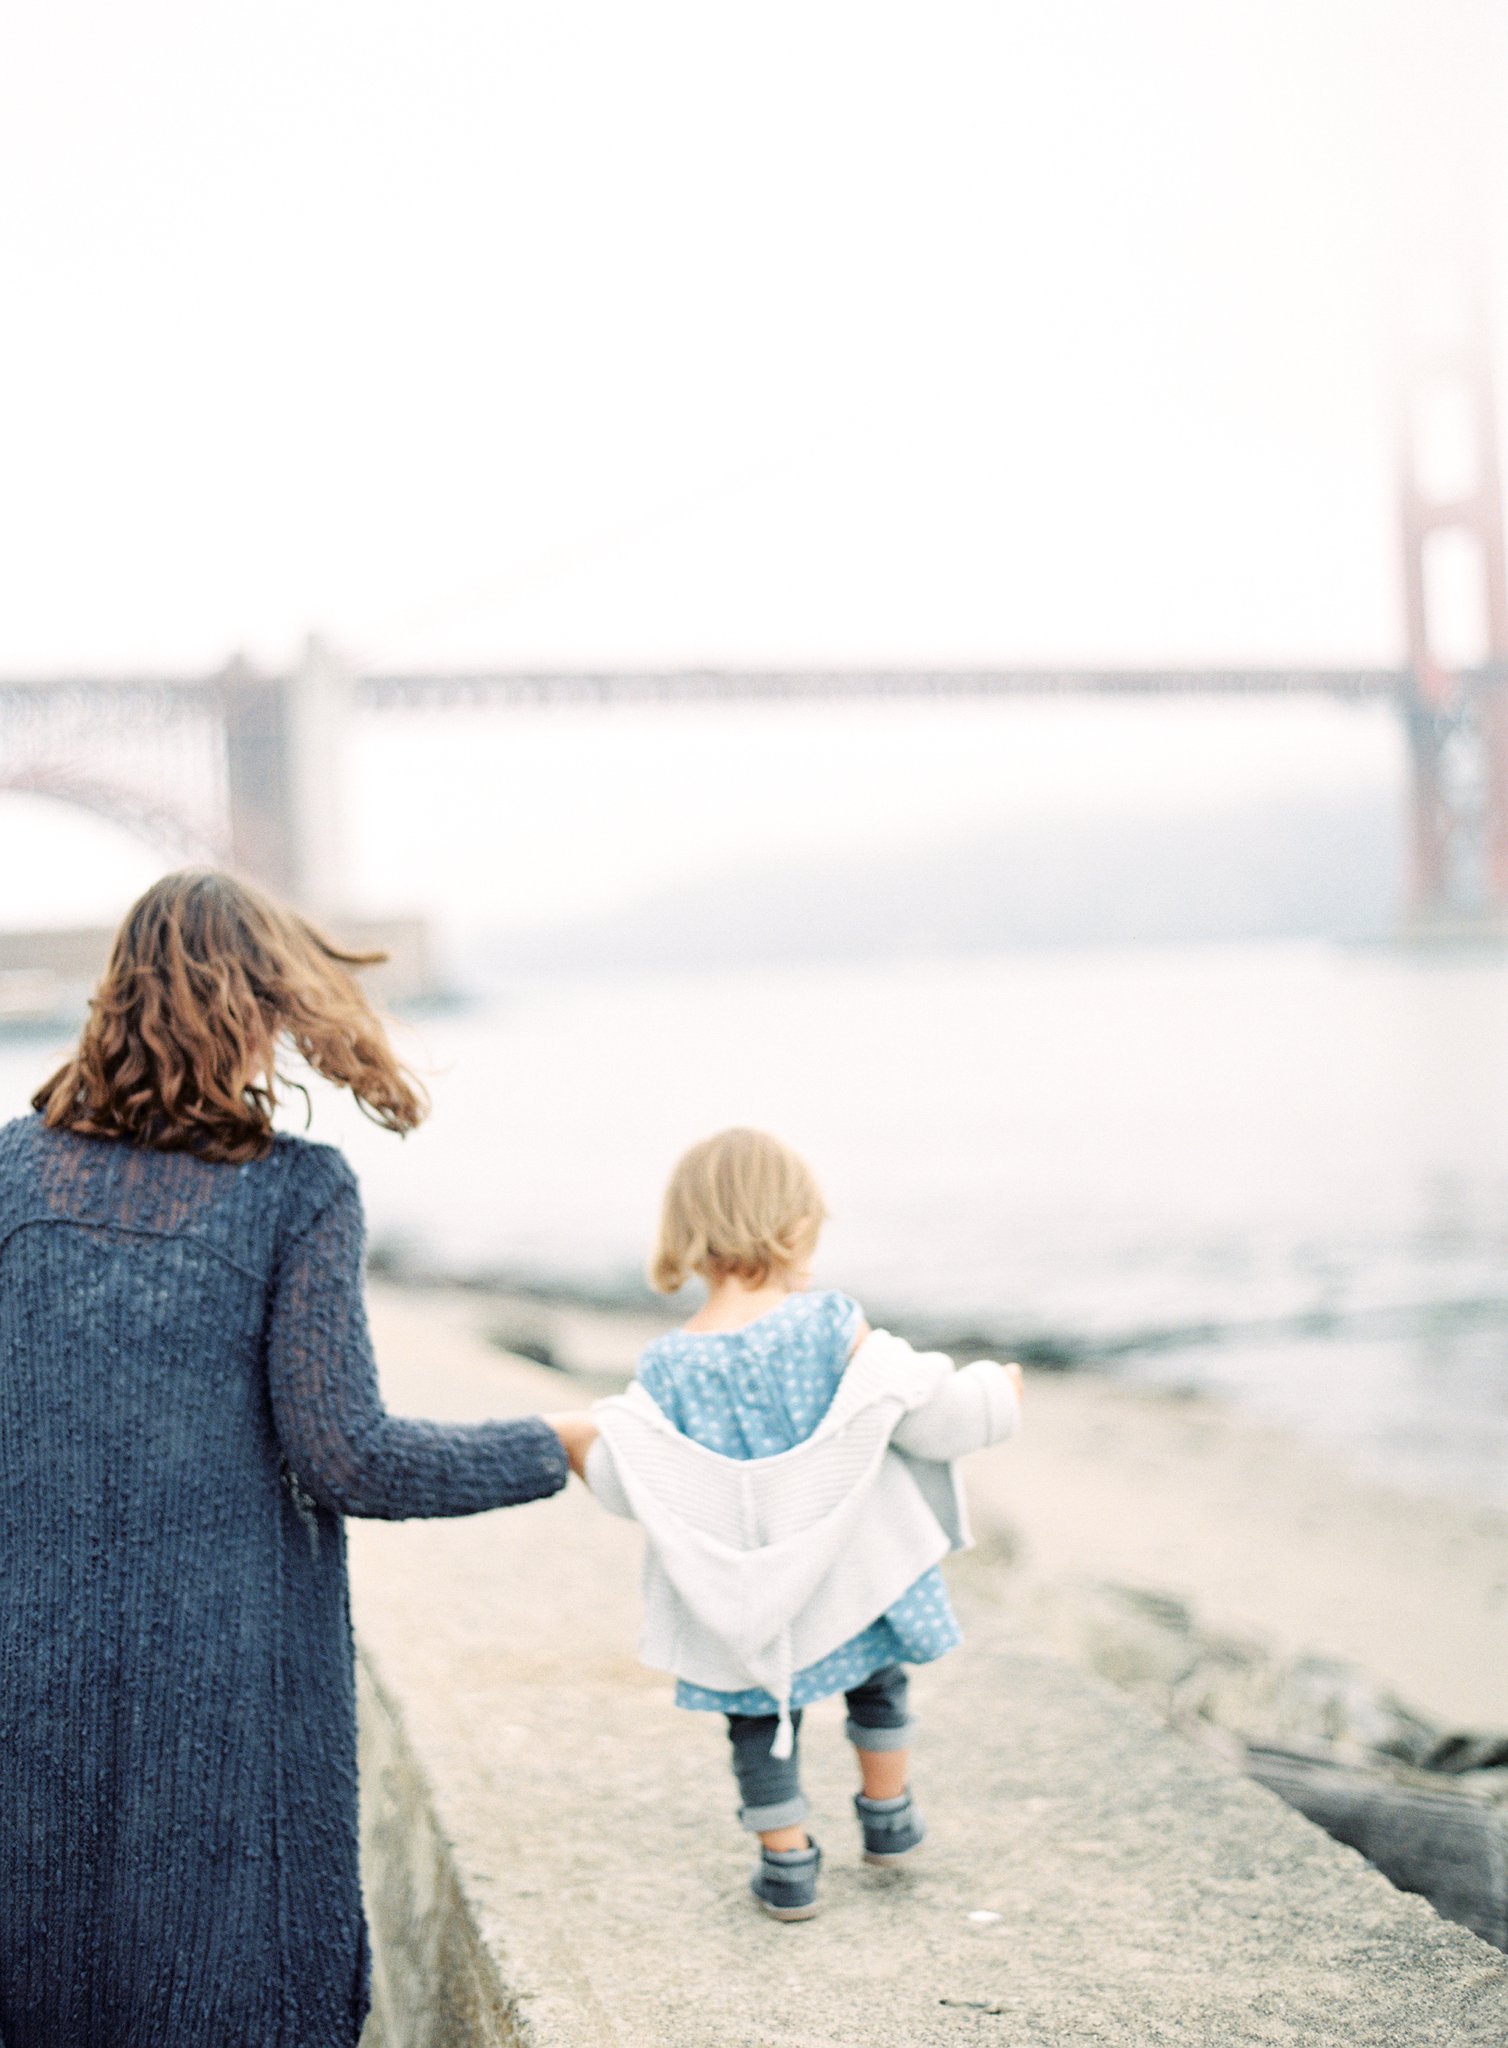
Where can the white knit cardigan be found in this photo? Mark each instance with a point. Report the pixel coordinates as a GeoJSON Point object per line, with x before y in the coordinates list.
{"type": "Point", "coordinates": [755, 1568]}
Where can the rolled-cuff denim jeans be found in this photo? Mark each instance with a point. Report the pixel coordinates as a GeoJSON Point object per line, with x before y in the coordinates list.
{"type": "Point", "coordinates": [770, 1786]}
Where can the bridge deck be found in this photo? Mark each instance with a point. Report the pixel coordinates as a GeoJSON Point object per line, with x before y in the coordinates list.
{"type": "Point", "coordinates": [383, 688]}
{"type": "Point", "coordinates": [710, 685]}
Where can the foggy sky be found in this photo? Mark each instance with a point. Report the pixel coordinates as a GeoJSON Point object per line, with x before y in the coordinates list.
{"type": "Point", "coordinates": [820, 331]}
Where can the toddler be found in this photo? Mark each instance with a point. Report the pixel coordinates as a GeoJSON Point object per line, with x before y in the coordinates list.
{"type": "Point", "coordinates": [794, 1474]}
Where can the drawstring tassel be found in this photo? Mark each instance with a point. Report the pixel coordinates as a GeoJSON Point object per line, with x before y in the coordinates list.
{"type": "Point", "coordinates": [784, 1744]}
{"type": "Point", "coordinates": [785, 1732]}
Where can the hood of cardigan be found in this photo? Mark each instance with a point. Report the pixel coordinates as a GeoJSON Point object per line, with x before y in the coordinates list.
{"type": "Point", "coordinates": [746, 1542]}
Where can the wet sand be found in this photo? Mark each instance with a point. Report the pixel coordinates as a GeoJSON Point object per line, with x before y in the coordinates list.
{"type": "Point", "coordinates": [1260, 1534]}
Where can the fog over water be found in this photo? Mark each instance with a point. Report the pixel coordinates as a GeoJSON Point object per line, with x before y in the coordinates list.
{"type": "Point", "coordinates": [1263, 1151]}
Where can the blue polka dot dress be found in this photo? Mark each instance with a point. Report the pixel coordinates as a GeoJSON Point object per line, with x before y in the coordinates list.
{"type": "Point", "coordinates": [755, 1392]}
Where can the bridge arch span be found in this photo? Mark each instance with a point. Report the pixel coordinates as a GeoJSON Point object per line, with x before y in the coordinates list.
{"type": "Point", "coordinates": [175, 833]}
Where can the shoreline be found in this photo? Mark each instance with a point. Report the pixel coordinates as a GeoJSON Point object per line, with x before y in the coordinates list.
{"type": "Point", "coordinates": [1050, 1349]}
{"type": "Point", "coordinates": [533, 1302]}
{"type": "Point", "coordinates": [1259, 1534]}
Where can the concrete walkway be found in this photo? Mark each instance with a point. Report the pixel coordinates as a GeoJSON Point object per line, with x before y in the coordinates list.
{"type": "Point", "coordinates": [578, 1877]}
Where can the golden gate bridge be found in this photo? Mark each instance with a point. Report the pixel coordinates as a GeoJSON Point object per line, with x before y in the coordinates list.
{"type": "Point", "coordinates": [238, 767]}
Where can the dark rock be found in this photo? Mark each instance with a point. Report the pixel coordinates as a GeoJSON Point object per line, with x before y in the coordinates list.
{"type": "Point", "coordinates": [1446, 1841]}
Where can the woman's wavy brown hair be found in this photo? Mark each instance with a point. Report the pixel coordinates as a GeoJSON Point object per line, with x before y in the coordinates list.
{"type": "Point", "coordinates": [206, 976]}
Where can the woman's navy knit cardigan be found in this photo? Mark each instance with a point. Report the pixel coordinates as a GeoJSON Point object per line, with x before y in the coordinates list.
{"type": "Point", "coordinates": [188, 1406]}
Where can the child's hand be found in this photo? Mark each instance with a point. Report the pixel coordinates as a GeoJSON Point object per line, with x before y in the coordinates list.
{"type": "Point", "coordinates": [577, 1432]}
{"type": "Point", "coordinates": [1016, 1379]}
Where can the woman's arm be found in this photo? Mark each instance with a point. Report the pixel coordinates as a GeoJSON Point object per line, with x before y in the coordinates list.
{"type": "Point", "coordinates": [341, 1443]}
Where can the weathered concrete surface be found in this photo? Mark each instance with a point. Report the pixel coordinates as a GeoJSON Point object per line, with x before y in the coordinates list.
{"type": "Point", "coordinates": [1138, 1893]}
{"type": "Point", "coordinates": [434, 1981]}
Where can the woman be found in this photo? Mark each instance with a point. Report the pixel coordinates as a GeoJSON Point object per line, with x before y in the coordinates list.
{"type": "Point", "coordinates": [188, 1408]}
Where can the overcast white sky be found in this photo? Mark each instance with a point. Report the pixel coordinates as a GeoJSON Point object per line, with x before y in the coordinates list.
{"type": "Point", "coordinates": [826, 330]}
{"type": "Point", "coordinates": [980, 330]}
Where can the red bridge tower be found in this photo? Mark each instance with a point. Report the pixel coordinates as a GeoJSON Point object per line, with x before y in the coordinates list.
{"type": "Point", "coordinates": [1455, 584]}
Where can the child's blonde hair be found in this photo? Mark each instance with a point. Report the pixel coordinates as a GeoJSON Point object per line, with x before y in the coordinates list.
{"type": "Point", "coordinates": [740, 1203]}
